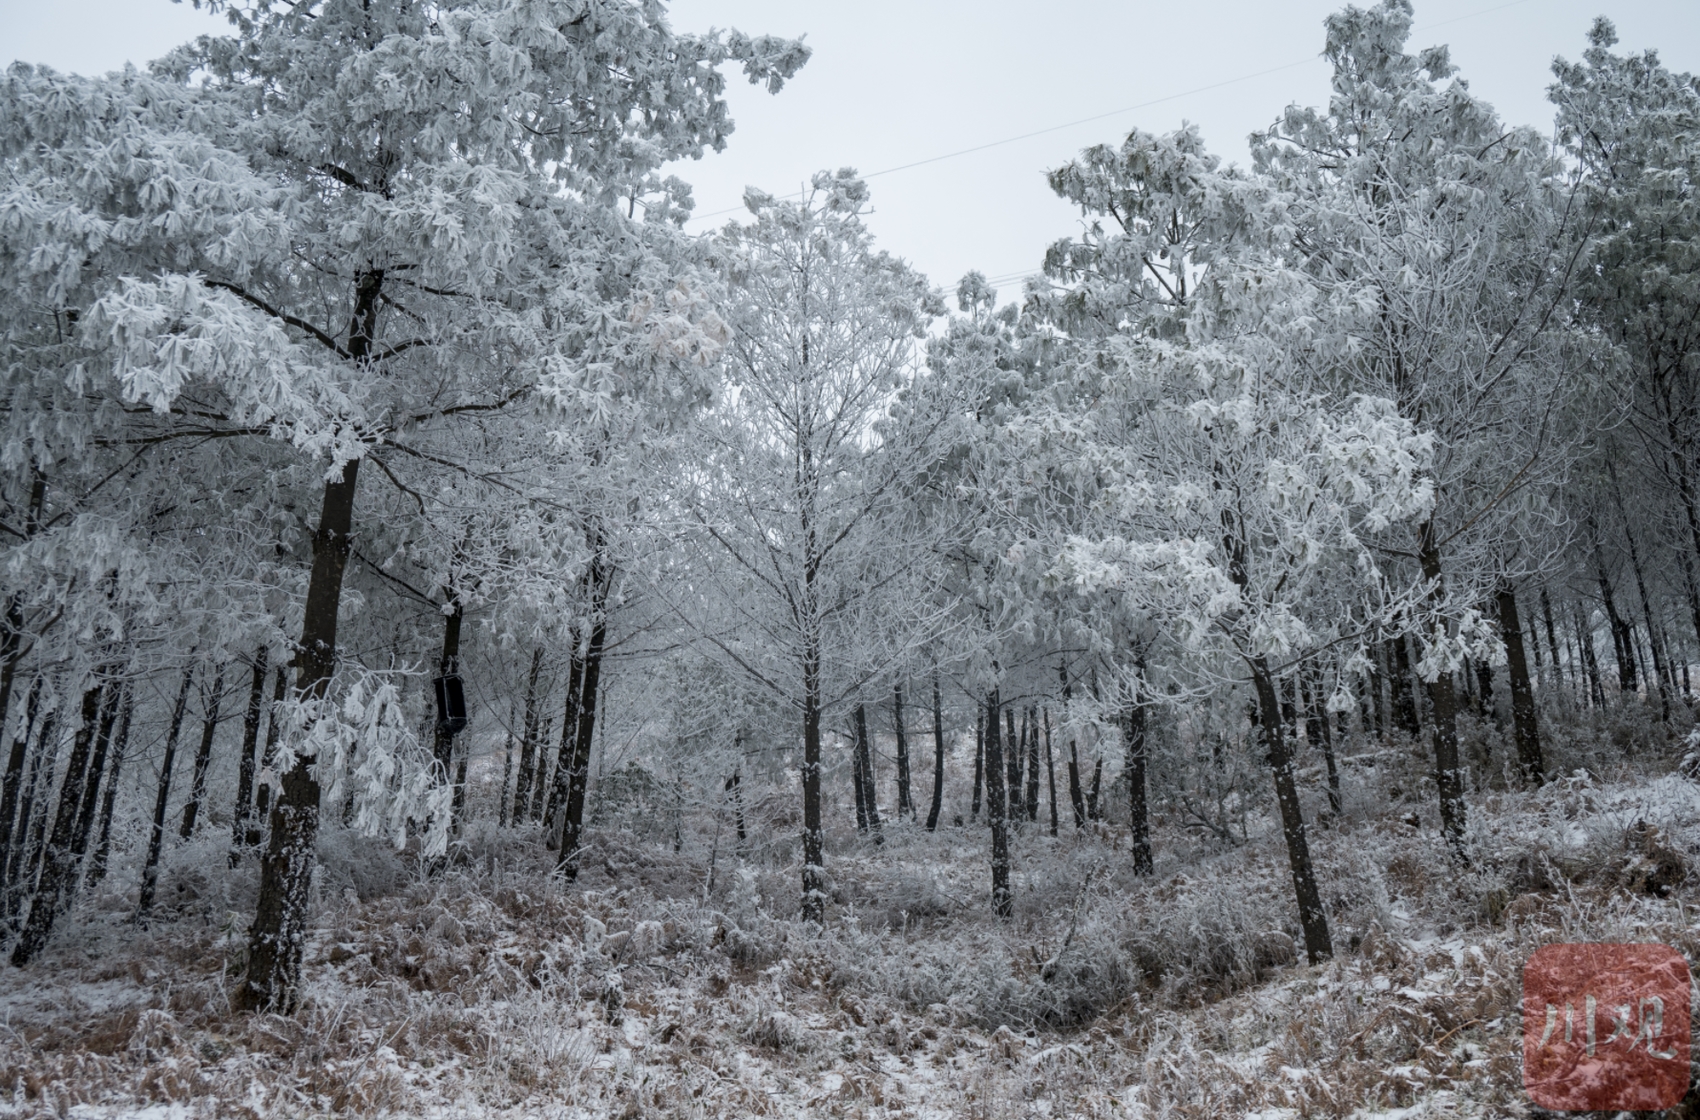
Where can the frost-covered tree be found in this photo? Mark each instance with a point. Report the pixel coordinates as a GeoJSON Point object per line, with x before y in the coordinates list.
{"type": "Point", "coordinates": [1445, 246]}
{"type": "Point", "coordinates": [806, 558]}
{"type": "Point", "coordinates": [342, 226]}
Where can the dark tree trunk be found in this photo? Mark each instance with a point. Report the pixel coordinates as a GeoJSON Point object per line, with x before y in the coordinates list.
{"type": "Point", "coordinates": [905, 806]}
{"type": "Point", "coordinates": [1590, 663]}
{"type": "Point", "coordinates": [1003, 902]}
{"type": "Point", "coordinates": [735, 793]}
{"type": "Point", "coordinates": [1092, 794]}
{"type": "Point", "coordinates": [814, 839]}
{"type": "Point", "coordinates": [1622, 641]}
{"type": "Point", "coordinates": [577, 765]}
{"type": "Point", "coordinates": [543, 779]}
{"type": "Point", "coordinates": [247, 760]}
{"type": "Point", "coordinates": [9, 812]}
{"type": "Point", "coordinates": [1404, 699]}
{"type": "Point", "coordinates": [1319, 733]}
{"type": "Point", "coordinates": [507, 773]}
{"type": "Point", "coordinates": [1448, 770]}
{"type": "Point", "coordinates": [103, 847]}
{"type": "Point", "coordinates": [25, 863]}
{"type": "Point", "coordinates": [443, 732]}
{"type": "Point", "coordinates": [156, 837]}
{"type": "Point", "coordinates": [938, 758]}
{"type": "Point", "coordinates": [1051, 772]}
{"type": "Point", "coordinates": [210, 702]}
{"type": "Point", "coordinates": [1524, 729]}
{"type": "Point", "coordinates": [979, 762]}
{"type": "Point", "coordinates": [1659, 674]}
{"type": "Point", "coordinates": [1312, 919]}
{"type": "Point", "coordinates": [1012, 763]}
{"type": "Point", "coordinates": [12, 622]}
{"type": "Point", "coordinates": [1484, 685]}
{"type": "Point", "coordinates": [59, 861]}
{"type": "Point", "coordinates": [1133, 740]}
{"type": "Point", "coordinates": [563, 753]}
{"type": "Point", "coordinates": [274, 731]}
{"type": "Point", "coordinates": [89, 809]}
{"type": "Point", "coordinates": [1552, 642]}
{"type": "Point", "coordinates": [864, 753]}
{"type": "Point", "coordinates": [278, 936]}
{"type": "Point", "coordinates": [1076, 795]}
{"type": "Point", "coordinates": [528, 743]}
{"type": "Point", "coordinates": [859, 782]}
{"type": "Point", "coordinates": [1031, 723]}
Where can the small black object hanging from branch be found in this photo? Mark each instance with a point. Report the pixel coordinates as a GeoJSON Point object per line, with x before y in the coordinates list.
{"type": "Point", "coordinates": [451, 704]}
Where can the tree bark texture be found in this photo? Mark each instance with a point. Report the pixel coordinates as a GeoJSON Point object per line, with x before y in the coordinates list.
{"type": "Point", "coordinates": [247, 761]}
{"type": "Point", "coordinates": [577, 763]}
{"type": "Point", "coordinates": [120, 745]}
{"type": "Point", "coordinates": [1443, 704]}
{"type": "Point", "coordinates": [59, 861]}
{"type": "Point", "coordinates": [210, 702]}
{"type": "Point", "coordinates": [1133, 741]}
{"type": "Point", "coordinates": [905, 805]}
{"type": "Point", "coordinates": [1524, 728]}
{"type": "Point", "coordinates": [938, 758]}
{"type": "Point", "coordinates": [1003, 902]}
{"type": "Point", "coordinates": [156, 836]}
{"type": "Point", "coordinates": [1312, 919]}
{"type": "Point", "coordinates": [279, 932]}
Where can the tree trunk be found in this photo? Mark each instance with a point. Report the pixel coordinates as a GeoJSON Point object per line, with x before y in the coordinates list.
{"type": "Point", "coordinates": [1031, 723]}
{"type": "Point", "coordinates": [1051, 773]}
{"type": "Point", "coordinates": [1646, 606]}
{"type": "Point", "coordinates": [1133, 739]}
{"type": "Point", "coordinates": [938, 758]}
{"type": "Point", "coordinates": [1319, 733]}
{"type": "Point", "coordinates": [542, 778]}
{"type": "Point", "coordinates": [268, 759]}
{"type": "Point", "coordinates": [1312, 919]}
{"type": "Point", "coordinates": [89, 808]}
{"type": "Point", "coordinates": [210, 702]}
{"type": "Point", "coordinates": [9, 812]}
{"type": "Point", "coordinates": [1092, 794]}
{"type": "Point", "coordinates": [507, 772]}
{"type": "Point", "coordinates": [247, 760]}
{"type": "Point", "coordinates": [1591, 663]}
{"type": "Point", "coordinates": [1012, 763]}
{"type": "Point", "coordinates": [25, 863]}
{"type": "Point", "coordinates": [814, 840]}
{"type": "Point", "coordinates": [859, 782]}
{"type": "Point", "coordinates": [979, 763]}
{"type": "Point", "coordinates": [59, 862]}
{"type": "Point", "coordinates": [528, 743]}
{"type": "Point", "coordinates": [1076, 796]}
{"type": "Point", "coordinates": [1622, 642]}
{"type": "Point", "coordinates": [577, 764]}
{"type": "Point", "coordinates": [905, 806]}
{"type": "Point", "coordinates": [1448, 771]}
{"type": "Point", "coordinates": [12, 622]}
{"type": "Point", "coordinates": [103, 847]}
{"type": "Point", "coordinates": [443, 732]}
{"type": "Point", "coordinates": [1552, 642]}
{"type": "Point", "coordinates": [734, 791]}
{"type": "Point", "coordinates": [156, 837]}
{"type": "Point", "coordinates": [1404, 701]}
{"type": "Point", "coordinates": [1003, 902]}
{"type": "Point", "coordinates": [279, 933]}
{"type": "Point", "coordinates": [1524, 729]}
{"type": "Point", "coordinates": [864, 752]}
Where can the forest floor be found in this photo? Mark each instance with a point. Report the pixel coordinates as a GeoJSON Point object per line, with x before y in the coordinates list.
{"type": "Point", "coordinates": [671, 983]}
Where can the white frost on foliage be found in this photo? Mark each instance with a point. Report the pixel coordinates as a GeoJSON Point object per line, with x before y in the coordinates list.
{"type": "Point", "coordinates": [364, 748]}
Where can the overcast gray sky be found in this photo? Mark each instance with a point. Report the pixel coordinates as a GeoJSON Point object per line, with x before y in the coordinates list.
{"type": "Point", "coordinates": [893, 82]}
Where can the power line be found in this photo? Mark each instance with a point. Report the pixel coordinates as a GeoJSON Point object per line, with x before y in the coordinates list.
{"type": "Point", "coordinates": [1119, 112]}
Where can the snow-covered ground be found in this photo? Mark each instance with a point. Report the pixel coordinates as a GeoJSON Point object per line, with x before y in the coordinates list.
{"type": "Point", "coordinates": [494, 990]}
